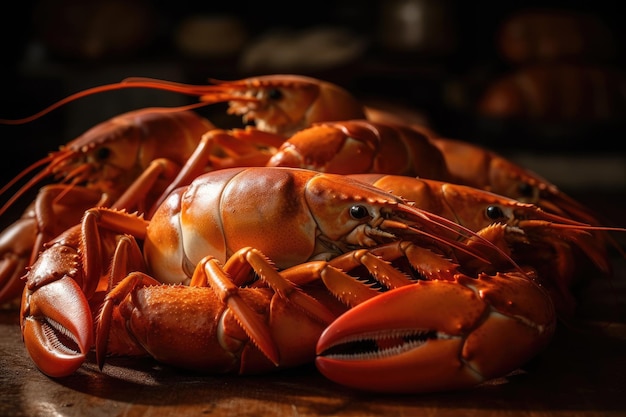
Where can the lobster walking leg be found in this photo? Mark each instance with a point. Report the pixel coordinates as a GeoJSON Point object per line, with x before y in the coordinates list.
{"type": "Point", "coordinates": [224, 295]}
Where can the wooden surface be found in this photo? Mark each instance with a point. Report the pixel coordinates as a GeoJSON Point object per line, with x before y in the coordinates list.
{"type": "Point", "coordinates": [582, 373]}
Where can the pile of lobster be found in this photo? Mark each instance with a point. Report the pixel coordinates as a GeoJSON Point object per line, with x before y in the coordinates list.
{"type": "Point", "coordinates": [397, 260]}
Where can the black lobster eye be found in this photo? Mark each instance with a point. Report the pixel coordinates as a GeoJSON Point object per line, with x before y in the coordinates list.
{"type": "Point", "coordinates": [103, 154]}
{"type": "Point", "coordinates": [358, 212]}
{"type": "Point", "coordinates": [274, 94]}
{"type": "Point", "coordinates": [494, 212]}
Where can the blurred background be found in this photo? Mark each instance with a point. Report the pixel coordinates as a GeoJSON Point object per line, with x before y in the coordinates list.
{"type": "Point", "coordinates": [540, 82]}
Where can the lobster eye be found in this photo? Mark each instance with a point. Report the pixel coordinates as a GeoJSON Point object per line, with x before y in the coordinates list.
{"type": "Point", "coordinates": [358, 212]}
{"type": "Point", "coordinates": [103, 153]}
{"type": "Point", "coordinates": [494, 212]}
{"type": "Point", "coordinates": [274, 94]}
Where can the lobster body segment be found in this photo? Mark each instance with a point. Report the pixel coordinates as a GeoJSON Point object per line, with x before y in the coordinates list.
{"type": "Point", "coordinates": [361, 146]}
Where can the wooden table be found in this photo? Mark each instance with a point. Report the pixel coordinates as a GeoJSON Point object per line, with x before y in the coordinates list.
{"type": "Point", "coordinates": [582, 373]}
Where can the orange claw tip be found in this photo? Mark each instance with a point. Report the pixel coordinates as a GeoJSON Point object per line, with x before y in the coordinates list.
{"type": "Point", "coordinates": [52, 358]}
{"type": "Point", "coordinates": [433, 366]}
{"type": "Point", "coordinates": [406, 340]}
{"type": "Point", "coordinates": [58, 327]}
{"type": "Point", "coordinates": [429, 307]}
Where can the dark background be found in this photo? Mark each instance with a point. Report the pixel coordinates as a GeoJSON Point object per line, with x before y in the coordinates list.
{"type": "Point", "coordinates": [43, 59]}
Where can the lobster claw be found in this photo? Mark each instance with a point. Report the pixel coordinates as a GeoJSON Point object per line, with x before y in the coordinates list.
{"type": "Point", "coordinates": [57, 326]}
{"type": "Point", "coordinates": [438, 335]}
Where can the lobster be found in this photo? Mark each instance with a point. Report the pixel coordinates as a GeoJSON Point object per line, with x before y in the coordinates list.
{"type": "Point", "coordinates": [472, 165]}
{"type": "Point", "coordinates": [143, 147]}
{"type": "Point", "coordinates": [556, 93]}
{"type": "Point", "coordinates": [282, 105]}
{"type": "Point", "coordinates": [360, 146]}
{"type": "Point", "coordinates": [141, 315]}
{"type": "Point", "coordinates": [410, 345]}
{"type": "Point", "coordinates": [102, 158]}
{"type": "Point", "coordinates": [555, 35]}
{"type": "Point", "coordinates": [123, 151]}
{"type": "Point", "coordinates": [342, 147]}
{"type": "Point", "coordinates": [218, 237]}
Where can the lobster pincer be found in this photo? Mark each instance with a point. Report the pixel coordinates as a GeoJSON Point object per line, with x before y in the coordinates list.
{"type": "Point", "coordinates": [438, 335]}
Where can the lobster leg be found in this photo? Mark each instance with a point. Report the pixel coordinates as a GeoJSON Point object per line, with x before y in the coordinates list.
{"type": "Point", "coordinates": [210, 271]}
{"type": "Point", "coordinates": [106, 317]}
{"type": "Point", "coordinates": [137, 193]}
{"type": "Point", "coordinates": [16, 247]}
{"type": "Point", "coordinates": [55, 209]}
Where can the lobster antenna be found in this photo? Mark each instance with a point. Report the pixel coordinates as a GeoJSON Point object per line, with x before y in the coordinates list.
{"type": "Point", "coordinates": [590, 228]}
{"type": "Point", "coordinates": [461, 231]}
{"type": "Point", "coordinates": [25, 187]}
{"type": "Point", "coordinates": [64, 101]}
{"type": "Point", "coordinates": [135, 82]}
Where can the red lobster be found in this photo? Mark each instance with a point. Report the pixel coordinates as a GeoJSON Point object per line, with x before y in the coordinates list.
{"type": "Point", "coordinates": [144, 147]}
{"type": "Point", "coordinates": [220, 236]}
{"type": "Point", "coordinates": [220, 233]}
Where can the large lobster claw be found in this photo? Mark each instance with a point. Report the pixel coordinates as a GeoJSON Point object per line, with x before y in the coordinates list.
{"type": "Point", "coordinates": [56, 319]}
{"type": "Point", "coordinates": [57, 326]}
{"type": "Point", "coordinates": [438, 335]}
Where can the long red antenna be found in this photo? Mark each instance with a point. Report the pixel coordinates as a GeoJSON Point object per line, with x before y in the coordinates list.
{"type": "Point", "coordinates": [139, 82]}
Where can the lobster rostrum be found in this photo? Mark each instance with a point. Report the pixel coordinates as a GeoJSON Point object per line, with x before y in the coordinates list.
{"type": "Point", "coordinates": [285, 104]}
{"type": "Point", "coordinates": [144, 147]}
{"type": "Point", "coordinates": [220, 237]}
